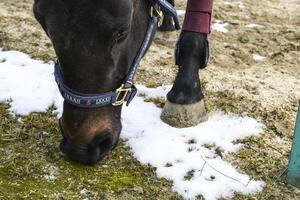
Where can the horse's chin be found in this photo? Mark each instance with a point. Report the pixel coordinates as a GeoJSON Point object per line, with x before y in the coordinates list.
{"type": "Point", "coordinates": [88, 154]}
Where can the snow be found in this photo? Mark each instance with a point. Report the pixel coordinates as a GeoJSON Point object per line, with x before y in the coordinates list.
{"type": "Point", "coordinates": [219, 26]}
{"type": "Point", "coordinates": [84, 191]}
{"type": "Point", "coordinates": [175, 153]}
{"type": "Point", "coordinates": [235, 3]}
{"type": "Point", "coordinates": [180, 12]}
{"type": "Point", "coordinates": [258, 57]}
{"type": "Point", "coordinates": [51, 172]}
{"type": "Point", "coordinates": [253, 26]}
{"type": "Point", "coordinates": [280, 140]}
{"type": "Point", "coordinates": [28, 83]}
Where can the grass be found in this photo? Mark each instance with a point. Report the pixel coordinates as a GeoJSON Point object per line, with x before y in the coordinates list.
{"type": "Point", "coordinates": [32, 167]}
{"type": "Point", "coordinates": [158, 101]}
{"type": "Point", "coordinates": [29, 144]}
{"type": "Point", "coordinates": [29, 152]}
{"type": "Point", "coordinates": [260, 157]}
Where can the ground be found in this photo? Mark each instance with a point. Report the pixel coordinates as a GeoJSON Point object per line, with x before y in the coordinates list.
{"type": "Point", "coordinates": [233, 82]}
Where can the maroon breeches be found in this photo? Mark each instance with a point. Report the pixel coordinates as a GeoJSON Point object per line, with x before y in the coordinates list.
{"type": "Point", "coordinates": [198, 16]}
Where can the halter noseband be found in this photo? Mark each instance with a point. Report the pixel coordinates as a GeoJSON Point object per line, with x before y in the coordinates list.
{"type": "Point", "coordinates": [127, 91]}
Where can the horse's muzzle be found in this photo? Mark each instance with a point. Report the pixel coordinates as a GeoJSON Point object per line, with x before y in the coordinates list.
{"type": "Point", "coordinates": [88, 154]}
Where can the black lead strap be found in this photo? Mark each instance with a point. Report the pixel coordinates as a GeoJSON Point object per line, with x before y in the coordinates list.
{"type": "Point", "coordinates": [127, 91]}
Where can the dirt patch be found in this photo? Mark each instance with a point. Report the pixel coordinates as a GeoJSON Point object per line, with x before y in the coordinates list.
{"type": "Point", "coordinates": [20, 31]}
{"type": "Point", "coordinates": [233, 82]}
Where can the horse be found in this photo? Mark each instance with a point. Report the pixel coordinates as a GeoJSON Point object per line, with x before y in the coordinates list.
{"type": "Point", "coordinates": [95, 68]}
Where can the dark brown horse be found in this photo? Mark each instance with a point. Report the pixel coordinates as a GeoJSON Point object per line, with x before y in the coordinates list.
{"type": "Point", "coordinates": [96, 42]}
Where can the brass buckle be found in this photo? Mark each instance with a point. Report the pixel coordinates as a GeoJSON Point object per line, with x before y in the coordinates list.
{"type": "Point", "coordinates": [121, 95]}
{"type": "Point", "coordinates": [156, 12]}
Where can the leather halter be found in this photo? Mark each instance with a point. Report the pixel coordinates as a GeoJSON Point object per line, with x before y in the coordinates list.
{"type": "Point", "coordinates": [127, 91]}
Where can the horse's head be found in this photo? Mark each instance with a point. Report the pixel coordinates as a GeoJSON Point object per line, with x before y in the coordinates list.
{"type": "Point", "coordinates": [95, 42]}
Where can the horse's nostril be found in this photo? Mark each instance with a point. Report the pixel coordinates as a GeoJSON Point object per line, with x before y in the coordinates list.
{"type": "Point", "coordinates": [88, 153]}
{"type": "Point", "coordinates": [104, 142]}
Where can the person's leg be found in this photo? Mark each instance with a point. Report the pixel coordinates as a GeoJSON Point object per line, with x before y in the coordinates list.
{"type": "Point", "coordinates": [185, 102]}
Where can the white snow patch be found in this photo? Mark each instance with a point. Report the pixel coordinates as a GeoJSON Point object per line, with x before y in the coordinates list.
{"type": "Point", "coordinates": [258, 57]}
{"type": "Point", "coordinates": [280, 140]}
{"type": "Point", "coordinates": [84, 191]}
{"type": "Point", "coordinates": [28, 83]}
{"type": "Point", "coordinates": [241, 6]}
{"type": "Point", "coordinates": [175, 153]}
{"type": "Point", "coordinates": [180, 12]}
{"type": "Point", "coordinates": [253, 26]}
{"type": "Point", "coordinates": [160, 91]}
{"type": "Point", "coordinates": [20, 120]}
{"type": "Point", "coordinates": [235, 3]}
{"type": "Point", "coordinates": [51, 172]}
{"type": "Point", "coordinates": [219, 26]}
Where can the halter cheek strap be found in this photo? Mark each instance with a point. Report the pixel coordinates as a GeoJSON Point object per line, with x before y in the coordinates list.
{"type": "Point", "coordinates": [127, 91]}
